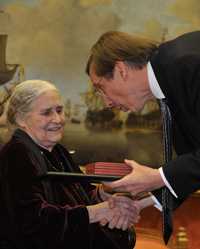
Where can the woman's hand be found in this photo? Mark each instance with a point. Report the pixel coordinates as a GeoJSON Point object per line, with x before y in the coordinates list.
{"type": "Point", "coordinates": [99, 212]}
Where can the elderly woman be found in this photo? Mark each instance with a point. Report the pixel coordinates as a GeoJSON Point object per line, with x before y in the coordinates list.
{"type": "Point", "coordinates": [40, 214]}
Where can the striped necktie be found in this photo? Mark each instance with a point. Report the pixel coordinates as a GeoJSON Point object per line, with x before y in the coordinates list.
{"type": "Point", "coordinates": [167, 154]}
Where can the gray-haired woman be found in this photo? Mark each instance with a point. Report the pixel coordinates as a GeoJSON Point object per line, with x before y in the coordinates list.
{"type": "Point", "coordinates": [40, 214]}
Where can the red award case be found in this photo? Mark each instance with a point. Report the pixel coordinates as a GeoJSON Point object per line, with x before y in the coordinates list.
{"type": "Point", "coordinates": [108, 168]}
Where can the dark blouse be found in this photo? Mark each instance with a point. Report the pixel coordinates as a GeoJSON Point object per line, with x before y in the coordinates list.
{"type": "Point", "coordinates": [28, 218]}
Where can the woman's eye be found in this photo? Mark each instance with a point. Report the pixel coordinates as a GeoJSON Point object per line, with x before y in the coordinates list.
{"type": "Point", "coordinates": [59, 110]}
{"type": "Point", "coordinates": [46, 113]}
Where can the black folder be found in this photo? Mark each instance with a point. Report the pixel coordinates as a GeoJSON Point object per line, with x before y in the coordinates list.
{"type": "Point", "coordinates": [69, 177]}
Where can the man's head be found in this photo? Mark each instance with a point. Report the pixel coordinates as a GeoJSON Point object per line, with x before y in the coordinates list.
{"type": "Point", "coordinates": [117, 68]}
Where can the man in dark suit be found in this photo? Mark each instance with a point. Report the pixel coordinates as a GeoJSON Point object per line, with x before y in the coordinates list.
{"type": "Point", "coordinates": [127, 71]}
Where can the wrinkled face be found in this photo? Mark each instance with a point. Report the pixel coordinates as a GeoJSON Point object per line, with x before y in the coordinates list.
{"type": "Point", "coordinates": [122, 91]}
{"type": "Point", "coordinates": [45, 122]}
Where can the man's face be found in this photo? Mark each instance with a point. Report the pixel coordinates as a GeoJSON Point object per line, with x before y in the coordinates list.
{"type": "Point", "coordinates": [121, 91]}
{"type": "Point", "coordinates": [45, 122]}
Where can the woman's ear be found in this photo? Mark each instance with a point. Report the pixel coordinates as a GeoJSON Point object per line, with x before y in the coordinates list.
{"type": "Point", "coordinates": [20, 121]}
{"type": "Point", "coordinates": [122, 68]}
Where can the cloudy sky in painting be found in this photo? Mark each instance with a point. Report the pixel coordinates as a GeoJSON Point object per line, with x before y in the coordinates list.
{"type": "Point", "coordinates": [52, 38]}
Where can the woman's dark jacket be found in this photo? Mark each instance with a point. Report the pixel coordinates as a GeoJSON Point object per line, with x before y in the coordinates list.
{"type": "Point", "coordinates": [36, 214]}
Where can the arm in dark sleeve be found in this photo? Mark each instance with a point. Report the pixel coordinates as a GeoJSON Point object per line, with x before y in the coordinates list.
{"type": "Point", "coordinates": [183, 174]}
{"type": "Point", "coordinates": [33, 217]}
{"type": "Point", "coordinates": [176, 202]}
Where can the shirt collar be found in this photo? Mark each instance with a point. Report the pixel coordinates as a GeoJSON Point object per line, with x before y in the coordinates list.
{"type": "Point", "coordinates": [153, 83]}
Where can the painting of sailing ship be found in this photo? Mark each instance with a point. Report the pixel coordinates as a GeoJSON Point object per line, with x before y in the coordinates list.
{"type": "Point", "coordinates": [98, 117]}
{"type": "Point", "coordinates": [10, 76]}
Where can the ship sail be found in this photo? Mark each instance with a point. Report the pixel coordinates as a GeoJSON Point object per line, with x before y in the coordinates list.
{"type": "Point", "coordinates": [7, 71]}
{"type": "Point", "coordinates": [10, 76]}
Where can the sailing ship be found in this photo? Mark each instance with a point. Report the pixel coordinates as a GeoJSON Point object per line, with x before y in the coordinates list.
{"type": "Point", "coordinates": [74, 112]}
{"type": "Point", "coordinates": [10, 76]}
{"type": "Point", "coordinates": [149, 118]}
{"type": "Point", "coordinates": [97, 116]}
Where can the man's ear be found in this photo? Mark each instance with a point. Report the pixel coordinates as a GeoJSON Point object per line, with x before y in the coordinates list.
{"type": "Point", "coordinates": [121, 68]}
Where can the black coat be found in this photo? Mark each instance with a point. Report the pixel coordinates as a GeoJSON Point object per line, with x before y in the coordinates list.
{"type": "Point", "coordinates": [35, 214]}
{"type": "Point", "coordinates": [176, 65]}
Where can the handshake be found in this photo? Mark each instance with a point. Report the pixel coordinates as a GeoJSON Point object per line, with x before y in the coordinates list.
{"type": "Point", "coordinates": [116, 211]}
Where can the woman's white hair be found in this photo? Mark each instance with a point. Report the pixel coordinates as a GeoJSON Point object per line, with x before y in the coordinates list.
{"type": "Point", "coordinates": [23, 96]}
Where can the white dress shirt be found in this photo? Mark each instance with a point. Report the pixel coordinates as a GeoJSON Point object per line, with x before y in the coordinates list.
{"type": "Point", "coordinates": [158, 94]}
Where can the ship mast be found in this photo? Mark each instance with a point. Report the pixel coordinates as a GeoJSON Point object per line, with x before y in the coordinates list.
{"type": "Point", "coordinates": [10, 76]}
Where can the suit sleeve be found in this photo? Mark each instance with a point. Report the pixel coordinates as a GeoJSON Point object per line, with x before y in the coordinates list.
{"type": "Point", "coordinates": [183, 174]}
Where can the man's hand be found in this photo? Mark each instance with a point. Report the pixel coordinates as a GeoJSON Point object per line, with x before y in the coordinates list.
{"type": "Point", "coordinates": [135, 207]}
{"type": "Point", "coordinates": [141, 179]}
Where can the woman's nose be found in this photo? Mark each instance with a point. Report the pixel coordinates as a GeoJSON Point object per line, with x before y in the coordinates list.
{"type": "Point", "coordinates": [56, 117]}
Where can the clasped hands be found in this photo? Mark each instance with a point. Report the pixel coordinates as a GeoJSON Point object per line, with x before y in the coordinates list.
{"type": "Point", "coordinates": [117, 211]}
{"type": "Point", "coordinates": [120, 211]}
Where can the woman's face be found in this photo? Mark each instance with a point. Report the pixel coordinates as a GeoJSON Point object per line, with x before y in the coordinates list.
{"type": "Point", "coordinates": [45, 122]}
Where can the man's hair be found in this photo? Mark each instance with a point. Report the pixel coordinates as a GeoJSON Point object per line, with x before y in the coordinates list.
{"type": "Point", "coordinates": [116, 46]}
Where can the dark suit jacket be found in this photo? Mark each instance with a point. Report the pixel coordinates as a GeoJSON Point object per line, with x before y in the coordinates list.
{"type": "Point", "coordinates": [176, 65]}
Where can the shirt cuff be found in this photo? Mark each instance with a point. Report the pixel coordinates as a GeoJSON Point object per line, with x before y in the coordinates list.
{"type": "Point", "coordinates": [167, 183]}
{"type": "Point", "coordinates": [156, 203]}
